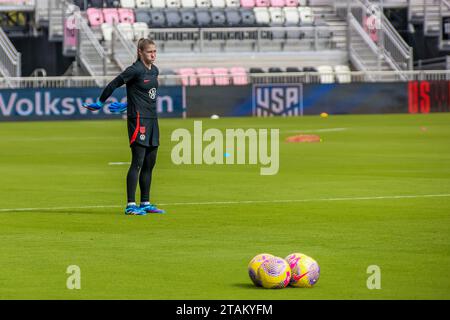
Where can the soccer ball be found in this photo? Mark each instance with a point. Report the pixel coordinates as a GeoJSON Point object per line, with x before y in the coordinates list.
{"type": "Point", "coordinates": [254, 265]}
{"type": "Point", "coordinates": [214, 117]}
{"type": "Point", "coordinates": [305, 270]}
{"type": "Point", "coordinates": [274, 273]}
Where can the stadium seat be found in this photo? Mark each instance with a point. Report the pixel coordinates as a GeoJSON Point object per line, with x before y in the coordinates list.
{"type": "Point", "coordinates": [143, 15]}
{"type": "Point", "coordinates": [291, 3]}
{"type": "Point", "coordinates": [277, 3]}
{"type": "Point", "coordinates": [157, 18]}
{"type": "Point", "coordinates": [232, 3]}
{"type": "Point", "coordinates": [143, 3]}
{"type": "Point", "coordinates": [275, 70]}
{"type": "Point", "coordinates": [140, 30]}
{"type": "Point", "coordinates": [233, 17]}
{"type": "Point", "coordinates": [262, 16]}
{"type": "Point", "coordinates": [342, 74]}
{"type": "Point", "coordinates": [221, 76]}
{"type": "Point", "coordinates": [256, 70]}
{"type": "Point", "coordinates": [158, 4]}
{"type": "Point", "coordinates": [127, 30]}
{"type": "Point", "coordinates": [326, 74]}
{"type": "Point", "coordinates": [205, 76]}
{"type": "Point", "coordinates": [248, 17]}
{"type": "Point", "coordinates": [218, 17]}
{"type": "Point", "coordinates": [111, 16]}
{"type": "Point", "coordinates": [112, 3]}
{"type": "Point", "coordinates": [262, 3]}
{"type": "Point", "coordinates": [173, 18]}
{"type": "Point", "coordinates": [127, 4]}
{"type": "Point", "coordinates": [291, 16]}
{"type": "Point", "coordinates": [188, 18]}
{"type": "Point", "coordinates": [218, 3]}
{"type": "Point", "coordinates": [203, 17]}
{"type": "Point", "coordinates": [309, 69]}
{"type": "Point", "coordinates": [95, 17]}
{"type": "Point", "coordinates": [248, 3]}
{"type": "Point", "coordinates": [107, 30]}
{"type": "Point", "coordinates": [239, 75]}
{"type": "Point", "coordinates": [306, 15]}
{"type": "Point", "coordinates": [94, 4]}
{"type": "Point", "coordinates": [188, 3]}
{"type": "Point", "coordinates": [203, 3]}
{"type": "Point", "coordinates": [173, 3]}
{"type": "Point", "coordinates": [276, 16]}
{"type": "Point", "coordinates": [188, 77]}
{"type": "Point", "coordinates": [126, 16]}
{"type": "Point", "coordinates": [293, 69]}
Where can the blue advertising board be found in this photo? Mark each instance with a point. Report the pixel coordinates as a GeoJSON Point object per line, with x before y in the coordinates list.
{"type": "Point", "coordinates": [60, 104]}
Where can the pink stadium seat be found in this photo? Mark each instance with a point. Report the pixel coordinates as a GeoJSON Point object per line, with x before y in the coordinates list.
{"type": "Point", "coordinates": [111, 16]}
{"type": "Point", "coordinates": [221, 76]}
{"type": "Point", "coordinates": [277, 3]}
{"type": "Point", "coordinates": [205, 76]}
{"type": "Point", "coordinates": [95, 17]}
{"type": "Point", "coordinates": [239, 76]}
{"type": "Point", "coordinates": [262, 3]}
{"type": "Point", "coordinates": [126, 15]}
{"type": "Point", "coordinates": [188, 77]}
{"type": "Point", "coordinates": [291, 3]}
{"type": "Point", "coordinates": [248, 3]}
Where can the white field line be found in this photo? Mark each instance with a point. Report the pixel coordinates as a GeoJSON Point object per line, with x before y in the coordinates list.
{"type": "Point", "coordinates": [317, 130]}
{"type": "Point", "coordinates": [240, 202]}
{"type": "Point", "coordinates": [118, 163]}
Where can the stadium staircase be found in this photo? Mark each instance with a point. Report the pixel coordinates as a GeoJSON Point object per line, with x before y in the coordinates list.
{"type": "Point", "coordinates": [10, 58]}
{"type": "Point", "coordinates": [381, 50]}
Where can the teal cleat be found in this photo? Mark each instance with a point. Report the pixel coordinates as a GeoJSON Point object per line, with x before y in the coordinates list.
{"type": "Point", "coordinates": [151, 208]}
{"type": "Point", "coordinates": [134, 210]}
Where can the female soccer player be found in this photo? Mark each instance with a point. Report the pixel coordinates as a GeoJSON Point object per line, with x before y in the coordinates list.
{"type": "Point", "coordinates": [141, 79]}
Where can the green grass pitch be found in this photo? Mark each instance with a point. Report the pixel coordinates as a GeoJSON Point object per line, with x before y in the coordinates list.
{"type": "Point", "coordinates": [201, 251]}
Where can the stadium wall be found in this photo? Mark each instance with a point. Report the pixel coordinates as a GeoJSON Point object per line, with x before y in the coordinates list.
{"type": "Point", "coordinates": [234, 101]}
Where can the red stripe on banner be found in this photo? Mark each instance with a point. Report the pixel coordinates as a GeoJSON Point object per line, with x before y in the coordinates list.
{"type": "Point", "coordinates": [135, 133]}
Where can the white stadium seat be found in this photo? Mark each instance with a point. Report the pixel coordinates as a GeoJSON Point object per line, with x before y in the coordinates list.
{"type": "Point", "coordinates": [107, 31]}
{"type": "Point", "coordinates": [306, 15]}
{"type": "Point", "coordinates": [173, 3]}
{"type": "Point", "coordinates": [342, 74]}
{"type": "Point", "coordinates": [140, 30]}
{"type": "Point", "coordinates": [127, 30]}
{"type": "Point", "coordinates": [233, 3]}
{"type": "Point", "coordinates": [276, 15]}
{"type": "Point", "coordinates": [262, 15]}
{"type": "Point", "coordinates": [203, 3]}
{"type": "Point", "coordinates": [291, 16]}
{"type": "Point", "coordinates": [218, 3]}
{"type": "Point", "coordinates": [143, 3]}
{"type": "Point", "coordinates": [127, 3]}
{"type": "Point", "coordinates": [188, 3]}
{"type": "Point", "coordinates": [158, 3]}
{"type": "Point", "coordinates": [326, 74]}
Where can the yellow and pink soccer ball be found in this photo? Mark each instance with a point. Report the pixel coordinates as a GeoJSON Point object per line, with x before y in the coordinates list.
{"type": "Point", "coordinates": [305, 270]}
{"type": "Point", "coordinates": [253, 267]}
{"type": "Point", "coordinates": [274, 273]}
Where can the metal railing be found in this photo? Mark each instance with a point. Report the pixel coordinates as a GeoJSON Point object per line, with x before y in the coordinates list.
{"type": "Point", "coordinates": [10, 58]}
{"type": "Point", "coordinates": [391, 46]}
{"type": "Point", "coordinates": [282, 77]}
{"type": "Point", "coordinates": [56, 19]}
{"type": "Point", "coordinates": [444, 11]}
{"type": "Point", "coordinates": [253, 38]}
{"type": "Point", "coordinates": [92, 57]}
{"type": "Point", "coordinates": [123, 50]}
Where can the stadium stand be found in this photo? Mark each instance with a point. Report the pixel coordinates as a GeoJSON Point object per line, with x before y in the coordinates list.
{"type": "Point", "coordinates": [297, 34]}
